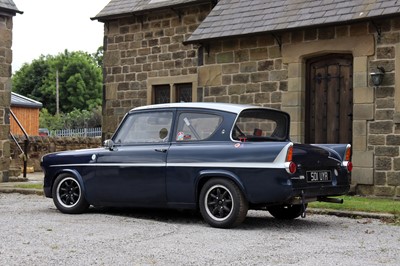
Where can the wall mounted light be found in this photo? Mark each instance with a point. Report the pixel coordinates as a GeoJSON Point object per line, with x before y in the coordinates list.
{"type": "Point", "coordinates": [377, 76]}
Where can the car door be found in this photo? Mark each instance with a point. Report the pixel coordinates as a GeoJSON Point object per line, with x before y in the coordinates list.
{"type": "Point", "coordinates": [132, 172]}
{"type": "Point", "coordinates": [195, 145]}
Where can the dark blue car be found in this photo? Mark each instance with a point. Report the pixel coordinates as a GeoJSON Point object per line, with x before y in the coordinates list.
{"type": "Point", "coordinates": [222, 159]}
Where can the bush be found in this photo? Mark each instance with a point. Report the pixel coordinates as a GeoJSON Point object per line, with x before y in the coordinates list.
{"type": "Point", "coordinates": [71, 120]}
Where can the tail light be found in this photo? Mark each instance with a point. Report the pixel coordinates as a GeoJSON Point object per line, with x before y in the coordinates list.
{"type": "Point", "coordinates": [289, 155]}
{"type": "Point", "coordinates": [290, 166]}
{"type": "Point", "coordinates": [349, 166]}
{"type": "Point", "coordinates": [348, 153]}
{"type": "Point", "coordinates": [347, 157]}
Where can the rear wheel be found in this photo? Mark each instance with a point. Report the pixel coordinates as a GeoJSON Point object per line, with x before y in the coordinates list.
{"type": "Point", "coordinates": [287, 212]}
{"type": "Point", "coordinates": [222, 203]}
{"type": "Point", "coordinates": [67, 195]}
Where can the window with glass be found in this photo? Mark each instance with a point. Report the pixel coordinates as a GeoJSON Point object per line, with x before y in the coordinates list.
{"type": "Point", "coordinates": [168, 93]}
{"type": "Point", "coordinates": [183, 92]}
{"type": "Point", "coordinates": [162, 94]}
{"type": "Point", "coordinates": [149, 127]}
{"type": "Point", "coordinates": [196, 126]}
{"type": "Point", "coordinates": [261, 125]}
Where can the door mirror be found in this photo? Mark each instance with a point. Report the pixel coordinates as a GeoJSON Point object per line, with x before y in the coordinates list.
{"type": "Point", "coordinates": [109, 144]}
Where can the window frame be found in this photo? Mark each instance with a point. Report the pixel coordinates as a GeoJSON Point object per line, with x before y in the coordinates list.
{"type": "Point", "coordinates": [172, 82]}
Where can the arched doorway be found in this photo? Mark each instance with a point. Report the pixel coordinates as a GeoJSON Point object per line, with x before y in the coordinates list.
{"type": "Point", "coordinates": [329, 99]}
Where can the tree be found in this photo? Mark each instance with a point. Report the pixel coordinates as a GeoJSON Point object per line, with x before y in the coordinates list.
{"type": "Point", "coordinates": [30, 78]}
{"type": "Point", "coordinates": [80, 81]}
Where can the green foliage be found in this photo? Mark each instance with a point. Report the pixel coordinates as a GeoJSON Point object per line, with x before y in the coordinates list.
{"type": "Point", "coordinates": [355, 203]}
{"type": "Point", "coordinates": [49, 121]}
{"type": "Point", "coordinates": [79, 77]}
{"type": "Point", "coordinates": [74, 119]}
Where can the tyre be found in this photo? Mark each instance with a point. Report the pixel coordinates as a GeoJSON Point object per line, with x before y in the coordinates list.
{"type": "Point", "coordinates": [67, 195]}
{"type": "Point", "coordinates": [287, 212]}
{"type": "Point", "coordinates": [222, 204]}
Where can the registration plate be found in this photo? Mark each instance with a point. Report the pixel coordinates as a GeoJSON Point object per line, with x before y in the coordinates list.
{"type": "Point", "coordinates": [318, 176]}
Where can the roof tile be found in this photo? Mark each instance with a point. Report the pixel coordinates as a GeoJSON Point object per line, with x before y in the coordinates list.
{"type": "Point", "coordinates": [9, 6]}
{"type": "Point", "coordinates": [279, 15]}
{"type": "Point", "coordinates": [123, 7]}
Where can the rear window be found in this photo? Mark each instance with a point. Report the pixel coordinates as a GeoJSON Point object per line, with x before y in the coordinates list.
{"type": "Point", "coordinates": [261, 125]}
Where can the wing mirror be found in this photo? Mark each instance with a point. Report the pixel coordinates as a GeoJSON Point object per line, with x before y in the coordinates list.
{"type": "Point", "coordinates": [109, 144]}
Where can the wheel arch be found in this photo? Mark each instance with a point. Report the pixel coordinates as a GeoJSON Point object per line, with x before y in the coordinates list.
{"type": "Point", "coordinates": [73, 172]}
{"type": "Point", "coordinates": [206, 175]}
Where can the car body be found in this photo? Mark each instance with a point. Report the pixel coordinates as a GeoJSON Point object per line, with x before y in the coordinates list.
{"type": "Point", "coordinates": [222, 159]}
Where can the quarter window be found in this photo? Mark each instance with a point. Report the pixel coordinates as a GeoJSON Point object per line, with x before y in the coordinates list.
{"type": "Point", "coordinates": [196, 126]}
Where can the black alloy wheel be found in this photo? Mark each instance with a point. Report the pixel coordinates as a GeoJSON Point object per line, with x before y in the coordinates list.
{"type": "Point", "coordinates": [67, 195]}
{"type": "Point", "coordinates": [222, 203]}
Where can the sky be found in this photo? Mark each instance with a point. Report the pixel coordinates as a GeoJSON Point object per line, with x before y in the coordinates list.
{"type": "Point", "coordinates": [49, 27]}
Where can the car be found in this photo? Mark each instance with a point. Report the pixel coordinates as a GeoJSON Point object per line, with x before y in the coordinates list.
{"type": "Point", "coordinates": [220, 159]}
{"type": "Point", "coordinates": [44, 132]}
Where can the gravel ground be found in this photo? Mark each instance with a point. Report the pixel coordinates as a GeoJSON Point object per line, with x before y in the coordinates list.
{"type": "Point", "coordinates": [33, 232]}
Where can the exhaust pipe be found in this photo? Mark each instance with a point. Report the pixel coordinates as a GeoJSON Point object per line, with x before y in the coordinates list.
{"type": "Point", "coordinates": [330, 200]}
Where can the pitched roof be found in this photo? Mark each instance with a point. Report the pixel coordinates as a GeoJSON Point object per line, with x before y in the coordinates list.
{"type": "Point", "coordinates": [120, 8]}
{"type": "Point", "coordinates": [22, 101]}
{"type": "Point", "coordinates": [8, 6]}
{"type": "Point", "coordinates": [242, 17]}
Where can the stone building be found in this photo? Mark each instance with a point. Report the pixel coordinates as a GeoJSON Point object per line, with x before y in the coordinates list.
{"type": "Point", "coordinates": [310, 58]}
{"type": "Point", "coordinates": [7, 11]}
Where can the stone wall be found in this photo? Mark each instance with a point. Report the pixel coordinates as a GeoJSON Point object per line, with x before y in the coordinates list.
{"type": "Point", "coordinates": [383, 130]}
{"type": "Point", "coordinates": [267, 70]}
{"type": "Point", "coordinates": [6, 25]}
{"type": "Point", "coordinates": [40, 146]}
{"type": "Point", "coordinates": [246, 70]}
{"type": "Point", "coordinates": [145, 50]}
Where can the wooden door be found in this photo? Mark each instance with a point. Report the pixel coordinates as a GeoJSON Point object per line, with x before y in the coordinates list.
{"type": "Point", "coordinates": [329, 99]}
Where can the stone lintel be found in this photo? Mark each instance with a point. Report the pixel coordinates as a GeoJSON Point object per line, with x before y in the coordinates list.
{"type": "Point", "coordinates": [357, 45]}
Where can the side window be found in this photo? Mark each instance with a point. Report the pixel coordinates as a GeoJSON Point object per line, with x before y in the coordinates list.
{"type": "Point", "coordinates": [196, 126]}
{"type": "Point", "coordinates": [149, 127]}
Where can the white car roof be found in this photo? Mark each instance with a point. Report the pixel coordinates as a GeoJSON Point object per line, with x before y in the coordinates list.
{"type": "Point", "coordinates": [227, 107]}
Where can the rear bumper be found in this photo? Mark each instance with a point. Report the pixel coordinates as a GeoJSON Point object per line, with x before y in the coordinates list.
{"type": "Point", "coordinates": [322, 191]}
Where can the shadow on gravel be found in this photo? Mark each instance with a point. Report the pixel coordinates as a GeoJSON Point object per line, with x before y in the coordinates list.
{"type": "Point", "coordinates": [192, 217]}
{"type": "Point", "coordinates": [298, 224]}
{"type": "Point", "coordinates": [160, 215]}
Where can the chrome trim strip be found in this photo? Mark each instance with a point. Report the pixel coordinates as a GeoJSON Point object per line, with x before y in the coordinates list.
{"type": "Point", "coordinates": [261, 165]}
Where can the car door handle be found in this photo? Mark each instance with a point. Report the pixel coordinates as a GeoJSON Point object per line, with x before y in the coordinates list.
{"type": "Point", "coordinates": [161, 150]}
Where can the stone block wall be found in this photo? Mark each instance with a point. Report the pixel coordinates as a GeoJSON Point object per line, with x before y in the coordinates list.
{"type": "Point", "coordinates": [244, 70]}
{"type": "Point", "coordinates": [383, 131]}
{"type": "Point", "coordinates": [6, 24]}
{"type": "Point", "coordinates": [40, 146]}
{"type": "Point", "coordinates": [145, 47]}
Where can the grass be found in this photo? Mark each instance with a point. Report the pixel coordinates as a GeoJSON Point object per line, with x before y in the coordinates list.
{"type": "Point", "coordinates": [32, 186]}
{"type": "Point", "coordinates": [362, 204]}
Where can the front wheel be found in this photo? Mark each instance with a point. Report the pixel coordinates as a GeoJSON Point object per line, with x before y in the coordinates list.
{"type": "Point", "coordinates": [68, 196]}
{"type": "Point", "coordinates": [287, 212]}
{"type": "Point", "coordinates": [222, 203]}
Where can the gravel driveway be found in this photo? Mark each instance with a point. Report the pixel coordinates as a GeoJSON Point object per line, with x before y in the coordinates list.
{"type": "Point", "coordinates": [33, 232]}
